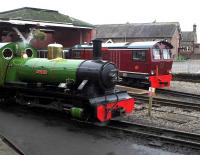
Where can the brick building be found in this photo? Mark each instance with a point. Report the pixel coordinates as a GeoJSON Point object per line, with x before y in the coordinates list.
{"type": "Point", "coordinates": [189, 44]}
{"type": "Point", "coordinates": [169, 31]}
{"type": "Point", "coordinates": [59, 28]}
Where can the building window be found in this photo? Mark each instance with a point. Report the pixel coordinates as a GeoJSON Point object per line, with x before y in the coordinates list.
{"type": "Point", "coordinates": [156, 54]}
{"type": "Point", "coordinates": [139, 55]}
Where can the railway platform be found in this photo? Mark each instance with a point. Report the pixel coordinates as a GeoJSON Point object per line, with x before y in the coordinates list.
{"type": "Point", "coordinates": [5, 149]}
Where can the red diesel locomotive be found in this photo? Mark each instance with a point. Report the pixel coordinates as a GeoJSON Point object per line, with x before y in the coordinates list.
{"type": "Point", "coordinates": [148, 62]}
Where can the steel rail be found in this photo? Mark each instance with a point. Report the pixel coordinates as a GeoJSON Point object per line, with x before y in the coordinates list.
{"type": "Point", "coordinates": [168, 102]}
{"type": "Point", "coordinates": [178, 93]}
{"type": "Point", "coordinates": [167, 135]}
{"type": "Point", "coordinates": [167, 91]}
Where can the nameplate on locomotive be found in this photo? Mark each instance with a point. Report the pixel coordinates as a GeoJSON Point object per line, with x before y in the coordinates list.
{"type": "Point", "coordinates": [42, 72]}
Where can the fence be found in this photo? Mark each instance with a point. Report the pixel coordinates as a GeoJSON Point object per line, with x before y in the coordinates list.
{"type": "Point", "coordinates": [189, 66]}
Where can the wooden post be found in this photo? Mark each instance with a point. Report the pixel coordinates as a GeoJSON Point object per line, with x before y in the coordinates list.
{"type": "Point", "coordinates": [151, 94]}
{"type": "Point", "coordinates": [150, 105]}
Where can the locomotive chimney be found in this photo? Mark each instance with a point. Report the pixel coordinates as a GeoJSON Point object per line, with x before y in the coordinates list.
{"type": "Point", "coordinates": [96, 49]}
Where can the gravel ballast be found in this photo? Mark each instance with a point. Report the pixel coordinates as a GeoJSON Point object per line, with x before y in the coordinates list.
{"type": "Point", "coordinates": [168, 116]}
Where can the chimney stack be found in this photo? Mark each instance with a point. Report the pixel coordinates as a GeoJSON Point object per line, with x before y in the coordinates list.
{"type": "Point", "coordinates": [96, 49]}
{"type": "Point", "coordinates": [194, 28]}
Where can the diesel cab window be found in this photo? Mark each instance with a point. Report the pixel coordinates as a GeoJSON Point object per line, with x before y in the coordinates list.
{"type": "Point", "coordinates": [166, 54]}
{"type": "Point", "coordinates": [156, 54]}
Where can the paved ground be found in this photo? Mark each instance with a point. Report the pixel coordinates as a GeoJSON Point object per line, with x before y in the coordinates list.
{"type": "Point", "coordinates": [5, 149]}
{"type": "Point", "coordinates": [43, 134]}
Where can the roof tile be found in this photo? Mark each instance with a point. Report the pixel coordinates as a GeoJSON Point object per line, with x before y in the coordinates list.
{"type": "Point", "coordinates": [137, 30]}
{"type": "Point", "coordinates": [43, 15]}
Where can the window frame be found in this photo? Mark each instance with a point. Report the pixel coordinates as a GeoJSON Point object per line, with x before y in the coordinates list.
{"type": "Point", "coordinates": [169, 54]}
{"type": "Point", "coordinates": [139, 51]}
{"type": "Point", "coordinates": [77, 54]}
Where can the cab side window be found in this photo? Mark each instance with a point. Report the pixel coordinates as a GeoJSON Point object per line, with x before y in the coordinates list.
{"type": "Point", "coordinates": [156, 54]}
{"type": "Point", "coordinates": [139, 55]}
{"type": "Point", "coordinates": [77, 54]}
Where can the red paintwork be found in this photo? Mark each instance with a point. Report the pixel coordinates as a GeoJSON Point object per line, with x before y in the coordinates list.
{"type": "Point", "coordinates": [68, 37]}
{"type": "Point", "coordinates": [158, 81]}
{"type": "Point", "coordinates": [42, 72]}
{"type": "Point", "coordinates": [104, 110]}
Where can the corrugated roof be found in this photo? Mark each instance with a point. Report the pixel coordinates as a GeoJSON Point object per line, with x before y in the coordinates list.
{"type": "Point", "coordinates": [138, 30]}
{"type": "Point", "coordinates": [42, 15]}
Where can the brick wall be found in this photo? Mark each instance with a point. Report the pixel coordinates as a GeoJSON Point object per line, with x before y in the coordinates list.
{"type": "Point", "coordinates": [175, 41]}
{"type": "Point", "coordinates": [71, 37]}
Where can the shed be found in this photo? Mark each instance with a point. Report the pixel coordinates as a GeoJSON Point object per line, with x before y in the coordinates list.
{"type": "Point", "coordinates": [58, 27]}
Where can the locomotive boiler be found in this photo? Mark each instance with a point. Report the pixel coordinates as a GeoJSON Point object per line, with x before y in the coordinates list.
{"type": "Point", "coordinates": [83, 88]}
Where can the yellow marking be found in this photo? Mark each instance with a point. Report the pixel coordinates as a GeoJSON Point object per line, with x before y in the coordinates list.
{"type": "Point", "coordinates": [58, 60]}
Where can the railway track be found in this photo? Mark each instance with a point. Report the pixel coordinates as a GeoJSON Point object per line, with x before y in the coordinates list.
{"type": "Point", "coordinates": [162, 91]}
{"type": "Point", "coordinates": [168, 102]}
{"type": "Point", "coordinates": [163, 135]}
{"type": "Point", "coordinates": [173, 98]}
{"type": "Point", "coordinates": [178, 94]}
{"type": "Point", "coordinates": [167, 136]}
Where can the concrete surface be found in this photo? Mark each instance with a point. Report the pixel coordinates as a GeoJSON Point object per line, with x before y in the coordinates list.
{"type": "Point", "coordinates": [5, 149]}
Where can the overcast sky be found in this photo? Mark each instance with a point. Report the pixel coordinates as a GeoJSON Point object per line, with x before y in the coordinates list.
{"type": "Point", "coordinates": [186, 12]}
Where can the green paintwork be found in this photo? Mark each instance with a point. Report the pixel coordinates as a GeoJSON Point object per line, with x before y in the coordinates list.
{"type": "Point", "coordinates": [76, 112]}
{"type": "Point", "coordinates": [58, 70]}
{"type": "Point", "coordinates": [4, 62]}
{"type": "Point", "coordinates": [8, 70]}
{"type": "Point", "coordinates": [21, 47]}
{"type": "Point", "coordinates": [34, 69]}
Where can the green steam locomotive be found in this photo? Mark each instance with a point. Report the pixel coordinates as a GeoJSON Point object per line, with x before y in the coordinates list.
{"type": "Point", "coordinates": [83, 88]}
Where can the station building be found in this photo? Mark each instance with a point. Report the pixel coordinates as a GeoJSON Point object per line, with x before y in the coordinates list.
{"type": "Point", "coordinates": [132, 32]}
{"type": "Point", "coordinates": [189, 46]}
{"type": "Point", "coordinates": [59, 28]}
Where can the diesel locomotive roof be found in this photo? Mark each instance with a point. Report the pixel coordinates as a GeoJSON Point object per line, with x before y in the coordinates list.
{"type": "Point", "coordinates": [134, 45]}
{"type": "Point", "coordinates": [148, 44]}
